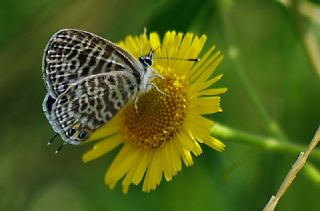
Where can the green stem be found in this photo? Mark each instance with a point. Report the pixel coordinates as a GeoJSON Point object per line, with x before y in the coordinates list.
{"type": "Point", "coordinates": [266, 143]}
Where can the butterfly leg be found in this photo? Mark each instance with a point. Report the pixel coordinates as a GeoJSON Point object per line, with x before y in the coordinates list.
{"type": "Point", "coordinates": [156, 74]}
{"type": "Point", "coordinates": [136, 103]}
{"type": "Point", "coordinates": [137, 97]}
{"type": "Point", "coordinates": [157, 88]}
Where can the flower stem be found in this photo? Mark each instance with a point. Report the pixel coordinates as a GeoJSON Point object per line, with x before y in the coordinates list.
{"type": "Point", "coordinates": [262, 142]}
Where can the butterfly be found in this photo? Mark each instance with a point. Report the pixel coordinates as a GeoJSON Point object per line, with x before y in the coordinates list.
{"type": "Point", "coordinates": [89, 79]}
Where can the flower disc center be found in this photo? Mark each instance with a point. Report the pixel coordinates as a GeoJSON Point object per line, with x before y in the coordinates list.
{"type": "Point", "coordinates": [158, 116]}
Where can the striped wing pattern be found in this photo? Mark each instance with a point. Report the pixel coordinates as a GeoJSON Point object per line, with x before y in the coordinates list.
{"type": "Point", "coordinates": [89, 79]}
{"type": "Point", "coordinates": [72, 55]}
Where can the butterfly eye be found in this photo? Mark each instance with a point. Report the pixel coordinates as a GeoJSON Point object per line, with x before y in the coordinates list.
{"type": "Point", "coordinates": [71, 132]}
{"type": "Point", "coordinates": [82, 135]}
{"type": "Point", "coordinates": [145, 61]}
{"type": "Point", "coordinates": [148, 61]}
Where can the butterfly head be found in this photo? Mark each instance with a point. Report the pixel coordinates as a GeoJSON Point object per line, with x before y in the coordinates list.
{"type": "Point", "coordinates": [147, 60]}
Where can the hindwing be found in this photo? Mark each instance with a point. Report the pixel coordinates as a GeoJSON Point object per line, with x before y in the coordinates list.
{"type": "Point", "coordinates": [91, 103]}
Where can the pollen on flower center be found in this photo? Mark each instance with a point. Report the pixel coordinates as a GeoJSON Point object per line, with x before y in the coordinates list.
{"type": "Point", "coordinates": [158, 116]}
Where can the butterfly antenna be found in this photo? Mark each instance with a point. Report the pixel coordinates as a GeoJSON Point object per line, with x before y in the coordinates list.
{"type": "Point", "coordinates": [52, 139]}
{"type": "Point", "coordinates": [180, 59]}
{"type": "Point", "coordinates": [60, 148]}
{"type": "Point", "coordinates": [172, 58]}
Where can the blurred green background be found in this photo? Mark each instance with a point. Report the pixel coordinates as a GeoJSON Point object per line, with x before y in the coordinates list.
{"type": "Point", "coordinates": [271, 54]}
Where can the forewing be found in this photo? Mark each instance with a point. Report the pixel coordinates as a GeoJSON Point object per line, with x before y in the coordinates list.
{"type": "Point", "coordinates": [72, 55]}
{"type": "Point", "coordinates": [92, 102]}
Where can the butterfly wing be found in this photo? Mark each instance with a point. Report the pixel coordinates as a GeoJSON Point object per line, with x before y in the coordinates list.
{"type": "Point", "coordinates": [72, 55]}
{"type": "Point", "coordinates": [90, 103]}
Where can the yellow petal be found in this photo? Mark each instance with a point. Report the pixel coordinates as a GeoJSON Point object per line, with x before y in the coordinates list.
{"type": "Point", "coordinates": [214, 144]}
{"type": "Point", "coordinates": [185, 155]}
{"type": "Point", "coordinates": [108, 129]}
{"type": "Point", "coordinates": [135, 159]}
{"type": "Point", "coordinates": [168, 170]}
{"type": "Point", "coordinates": [197, 87]}
{"type": "Point", "coordinates": [197, 149]}
{"type": "Point", "coordinates": [208, 105]}
{"type": "Point", "coordinates": [176, 161]}
{"type": "Point", "coordinates": [212, 91]}
{"type": "Point", "coordinates": [204, 69]}
{"type": "Point", "coordinates": [119, 166]}
{"type": "Point", "coordinates": [154, 40]}
{"type": "Point", "coordinates": [132, 46]}
{"type": "Point", "coordinates": [142, 167]}
{"type": "Point", "coordinates": [203, 60]}
{"type": "Point", "coordinates": [102, 147]}
{"type": "Point", "coordinates": [127, 181]}
{"type": "Point", "coordinates": [154, 173]}
{"type": "Point", "coordinates": [206, 73]}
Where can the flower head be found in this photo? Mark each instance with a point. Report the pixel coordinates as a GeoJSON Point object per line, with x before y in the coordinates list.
{"type": "Point", "coordinates": [165, 129]}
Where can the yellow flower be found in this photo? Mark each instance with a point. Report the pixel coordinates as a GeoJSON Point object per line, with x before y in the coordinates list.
{"type": "Point", "coordinates": [166, 128]}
